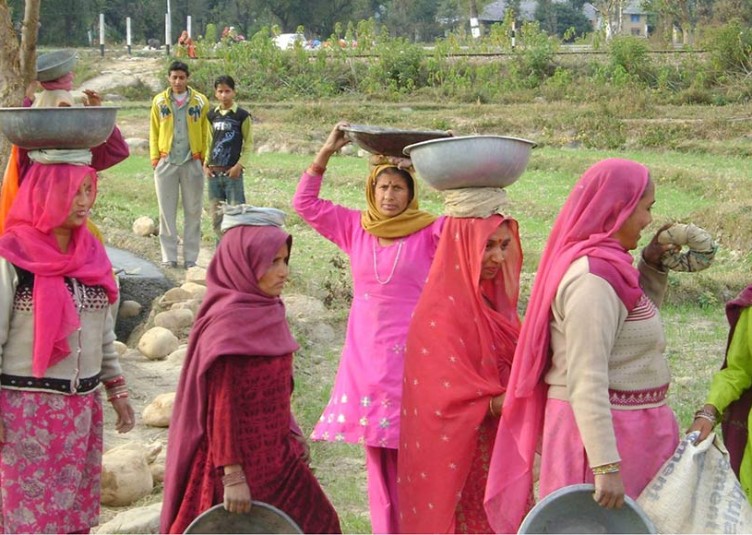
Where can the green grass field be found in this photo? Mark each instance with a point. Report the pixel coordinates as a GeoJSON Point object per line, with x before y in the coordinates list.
{"type": "Point", "coordinates": [709, 188]}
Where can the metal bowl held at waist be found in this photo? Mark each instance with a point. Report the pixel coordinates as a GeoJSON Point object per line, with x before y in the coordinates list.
{"type": "Point", "coordinates": [262, 518]}
{"type": "Point", "coordinates": [572, 510]}
{"type": "Point", "coordinates": [58, 128]}
{"type": "Point", "coordinates": [388, 141]}
{"type": "Point", "coordinates": [470, 161]}
{"type": "Point", "coordinates": [53, 65]}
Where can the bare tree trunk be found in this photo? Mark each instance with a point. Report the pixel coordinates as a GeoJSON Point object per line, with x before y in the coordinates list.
{"type": "Point", "coordinates": [17, 64]}
{"type": "Point", "coordinates": [29, 41]}
{"type": "Point", "coordinates": [11, 82]}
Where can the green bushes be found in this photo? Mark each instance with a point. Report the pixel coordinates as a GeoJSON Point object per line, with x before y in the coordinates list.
{"type": "Point", "coordinates": [460, 69]}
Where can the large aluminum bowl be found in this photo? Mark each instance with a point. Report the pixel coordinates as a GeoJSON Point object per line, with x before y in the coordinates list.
{"type": "Point", "coordinates": [572, 510]}
{"type": "Point", "coordinates": [263, 518]}
{"type": "Point", "coordinates": [58, 128]}
{"type": "Point", "coordinates": [470, 161]}
{"type": "Point", "coordinates": [53, 65]}
{"type": "Point", "coordinates": [388, 141]}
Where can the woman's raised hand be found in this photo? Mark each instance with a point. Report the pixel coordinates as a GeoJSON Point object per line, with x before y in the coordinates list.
{"type": "Point", "coordinates": [335, 141]}
{"type": "Point", "coordinates": [653, 251]}
{"type": "Point", "coordinates": [337, 138]}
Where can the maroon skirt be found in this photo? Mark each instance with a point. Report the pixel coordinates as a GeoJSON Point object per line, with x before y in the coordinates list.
{"type": "Point", "coordinates": [248, 423]}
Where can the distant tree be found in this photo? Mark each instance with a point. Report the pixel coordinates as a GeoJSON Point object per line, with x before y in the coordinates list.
{"type": "Point", "coordinates": [562, 19]}
{"type": "Point", "coordinates": [725, 10]}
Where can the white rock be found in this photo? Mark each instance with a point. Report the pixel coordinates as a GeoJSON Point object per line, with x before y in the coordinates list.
{"type": "Point", "coordinates": [137, 143]}
{"type": "Point", "coordinates": [138, 520]}
{"type": "Point", "coordinates": [303, 307]}
{"type": "Point", "coordinates": [126, 477]}
{"type": "Point", "coordinates": [159, 411]}
{"type": "Point", "coordinates": [129, 309]}
{"type": "Point", "coordinates": [158, 467]}
{"type": "Point", "coordinates": [144, 226]}
{"type": "Point", "coordinates": [174, 319]}
{"type": "Point", "coordinates": [174, 295]}
{"type": "Point", "coordinates": [322, 333]}
{"type": "Point", "coordinates": [196, 274]}
{"type": "Point", "coordinates": [157, 343]}
{"type": "Point", "coordinates": [197, 291]}
{"type": "Point", "coordinates": [177, 357]}
{"type": "Point", "coordinates": [192, 305]}
{"type": "Point", "coordinates": [120, 347]}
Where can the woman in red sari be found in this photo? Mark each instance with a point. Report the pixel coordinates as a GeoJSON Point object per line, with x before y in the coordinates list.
{"type": "Point", "coordinates": [459, 353]}
{"type": "Point", "coordinates": [230, 436]}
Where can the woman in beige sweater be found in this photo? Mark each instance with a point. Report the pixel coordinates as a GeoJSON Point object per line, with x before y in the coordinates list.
{"type": "Point", "coordinates": [589, 378]}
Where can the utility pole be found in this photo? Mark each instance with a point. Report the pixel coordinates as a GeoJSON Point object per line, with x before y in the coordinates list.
{"type": "Point", "coordinates": [474, 24]}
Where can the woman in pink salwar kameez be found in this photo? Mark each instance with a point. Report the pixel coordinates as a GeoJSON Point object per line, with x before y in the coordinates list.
{"type": "Point", "coordinates": [390, 246]}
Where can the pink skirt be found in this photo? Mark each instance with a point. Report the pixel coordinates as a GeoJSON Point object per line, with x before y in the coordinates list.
{"type": "Point", "coordinates": [646, 438]}
{"type": "Point", "coordinates": [50, 462]}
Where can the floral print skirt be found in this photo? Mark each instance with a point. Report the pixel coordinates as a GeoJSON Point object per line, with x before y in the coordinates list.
{"type": "Point", "coordinates": [50, 461]}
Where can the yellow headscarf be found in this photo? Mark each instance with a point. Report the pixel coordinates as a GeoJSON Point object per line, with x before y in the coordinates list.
{"type": "Point", "coordinates": [382, 226]}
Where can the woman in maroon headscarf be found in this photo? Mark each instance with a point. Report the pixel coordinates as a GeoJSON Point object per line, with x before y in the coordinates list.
{"type": "Point", "coordinates": [230, 436]}
{"type": "Point", "coordinates": [590, 355]}
{"type": "Point", "coordinates": [56, 347]}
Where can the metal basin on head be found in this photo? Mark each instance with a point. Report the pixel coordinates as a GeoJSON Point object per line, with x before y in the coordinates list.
{"type": "Point", "coordinates": [53, 65]}
{"type": "Point", "coordinates": [470, 161]}
{"type": "Point", "coordinates": [58, 128]}
{"type": "Point", "coordinates": [388, 141]}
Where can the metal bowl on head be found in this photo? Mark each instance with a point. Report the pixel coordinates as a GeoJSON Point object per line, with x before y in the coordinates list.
{"type": "Point", "coordinates": [572, 509]}
{"type": "Point", "coordinates": [388, 141]}
{"type": "Point", "coordinates": [262, 518]}
{"type": "Point", "coordinates": [470, 161]}
{"type": "Point", "coordinates": [53, 65]}
{"type": "Point", "coordinates": [58, 128]}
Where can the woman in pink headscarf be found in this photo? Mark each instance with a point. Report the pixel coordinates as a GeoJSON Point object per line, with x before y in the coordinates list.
{"type": "Point", "coordinates": [589, 380]}
{"type": "Point", "coordinates": [56, 347]}
{"type": "Point", "coordinates": [230, 436]}
{"type": "Point", "coordinates": [459, 353]}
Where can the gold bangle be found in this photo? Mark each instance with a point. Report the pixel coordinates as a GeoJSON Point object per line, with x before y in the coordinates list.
{"type": "Point", "coordinates": [610, 468]}
{"type": "Point", "coordinates": [491, 408]}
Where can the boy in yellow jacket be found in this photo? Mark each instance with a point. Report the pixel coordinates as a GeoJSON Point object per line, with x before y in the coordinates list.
{"type": "Point", "coordinates": [178, 140]}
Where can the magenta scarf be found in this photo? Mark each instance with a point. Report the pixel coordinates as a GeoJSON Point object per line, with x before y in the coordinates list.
{"type": "Point", "coordinates": [235, 318]}
{"type": "Point", "coordinates": [598, 205]}
{"type": "Point", "coordinates": [64, 82]}
{"type": "Point", "coordinates": [43, 203]}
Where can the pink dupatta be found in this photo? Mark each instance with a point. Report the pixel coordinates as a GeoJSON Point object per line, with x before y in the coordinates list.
{"type": "Point", "coordinates": [43, 203]}
{"type": "Point", "coordinates": [600, 202]}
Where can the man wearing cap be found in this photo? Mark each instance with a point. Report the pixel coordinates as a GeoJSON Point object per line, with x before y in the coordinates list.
{"type": "Point", "coordinates": [178, 139]}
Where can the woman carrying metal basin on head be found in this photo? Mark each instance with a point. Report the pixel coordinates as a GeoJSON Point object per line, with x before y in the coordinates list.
{"type": "Point", "coordinates": [390, 245]}
{"type": "Point", "coordinates": [461, 338]}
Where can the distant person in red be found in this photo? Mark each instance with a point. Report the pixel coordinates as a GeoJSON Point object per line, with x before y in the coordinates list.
{"type": "Point", "coordinates": [186, 43]}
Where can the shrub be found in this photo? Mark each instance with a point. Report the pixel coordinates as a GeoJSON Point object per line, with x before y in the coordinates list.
{"type": "Point", "coordinates": [630, 55]}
